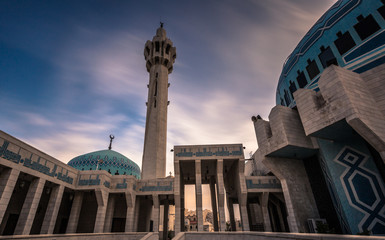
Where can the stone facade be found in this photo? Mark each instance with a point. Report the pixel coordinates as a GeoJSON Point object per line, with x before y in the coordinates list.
{"type": "Point", "coordinates": [340, 129]}
{"type": "Point", "coordinates": [41, 195]}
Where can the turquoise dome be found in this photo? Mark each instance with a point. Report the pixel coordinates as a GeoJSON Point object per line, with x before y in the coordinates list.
{"type": "Point", "coordinates": [109, 160]}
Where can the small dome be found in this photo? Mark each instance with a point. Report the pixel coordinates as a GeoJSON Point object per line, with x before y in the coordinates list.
{"type": "Point", "coordinates": [109, 160]}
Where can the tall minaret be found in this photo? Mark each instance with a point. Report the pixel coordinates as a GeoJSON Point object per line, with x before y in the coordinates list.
{"type": "Point", "coordinates": [160, 56]}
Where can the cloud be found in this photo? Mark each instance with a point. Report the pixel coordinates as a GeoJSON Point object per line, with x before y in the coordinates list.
{"type": "Point", "coordinates": [35, 119]}
{"type": "Point", "coordinates": [218, 118]}
{"type": "Point", "coordinates": [229, 58]}
{"type": "Point", "coordinates": [67, 138]}
{"type": "Point", "coordinates": [102, 66]}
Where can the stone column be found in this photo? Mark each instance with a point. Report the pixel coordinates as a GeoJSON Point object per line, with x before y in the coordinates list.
{"type": "Point", "coordinates": [102, 200]}
{"type": "Point", "coordinates": [178, 182]}
{"type": "Point", "coordinates": [130, 202]}
{"type": "Point", "coordinates": [136, 215]}
{"type": "Point", "coordinates": [244, 216]}
{"type": "Point", "coordinates": [110, 213]}
{"type": "Point", "coordinates": [221, 196]}
{"type": "Point", "coordinates": [198, 190]}
{"type": "Point", "coordinates": [299, 199]}
{"type": "Point", "coordinates": [8, 179]}
{"type": "Point", "coordinates": [177, 215]}
{"type": "Point", "coordinates": [50, 217]}
{"type": "Point", "coordinates": [155, 215]}
{"type": "Point", "coordinates": [182, 210]}
{"type": "Point", "coordinates": [231, 212]}
{"type": "Point", "coordinates": [165, 220]}
{"type": "Point", "coordinates": [31, 202]}
{"type": "Point", "coordinates": [75, 212]}
{"type": "Point", "coordinates": [242, 195]}
{"type": "Point", "coordinates": [214, 202]}
{"type": "Point", "coordinates": [264, 199]}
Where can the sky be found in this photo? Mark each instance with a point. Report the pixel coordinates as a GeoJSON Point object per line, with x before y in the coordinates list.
{"type": "Point", "coordinates": [73, 72]}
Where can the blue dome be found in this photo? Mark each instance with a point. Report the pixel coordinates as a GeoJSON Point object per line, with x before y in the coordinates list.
{"type": "Point", "coordinates": [108, 160]}
{"type": "Point", "coordinates": [351, 34]}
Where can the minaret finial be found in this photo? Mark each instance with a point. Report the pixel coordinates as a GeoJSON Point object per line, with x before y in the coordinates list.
{"type": "Point", "coordinates": [111, 138]}
{"type": "Point", "coordinates": [161, 24]}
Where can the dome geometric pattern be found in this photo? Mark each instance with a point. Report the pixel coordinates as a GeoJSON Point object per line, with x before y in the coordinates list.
{"type": "Point", "coordinates": [350, 34]}
{"type": "Point", "coordinates": [109, 160]}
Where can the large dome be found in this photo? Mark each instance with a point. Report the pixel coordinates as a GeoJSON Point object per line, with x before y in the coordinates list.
{"type": "Point", "coordinates": [351, 34]}
{"type": "Point", "coordinates": [109, 160]}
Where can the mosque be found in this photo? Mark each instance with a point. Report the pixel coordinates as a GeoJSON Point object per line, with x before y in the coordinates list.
{"type": "Point", "coordinates": [319, 167]}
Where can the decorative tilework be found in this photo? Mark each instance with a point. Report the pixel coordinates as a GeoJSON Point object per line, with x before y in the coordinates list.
{"type": "Point", "coordinates": [159, 186]}
{"type": "Point", "coordinates": [364, 55]}
{"type": "Point", "coordinates": [108, 160]}
{"type": "Point", "coordinates": [219, 151]}
{"type": "Point", "coordinates": [364, 189]}
{"type": "Point", "coordinates": [39, 164]}
{"type": "Point", "coordinates": [271, 183]}
{"type": "Point", "coordinates": [336, 201]}
{"type": "Point", "coordinates": [122, 185]}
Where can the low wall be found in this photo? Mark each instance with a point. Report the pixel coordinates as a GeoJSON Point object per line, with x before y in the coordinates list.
{"type": "Point", "coordinates": [82, 236]}
{"type": "Point", "coordinates": [268, 236]}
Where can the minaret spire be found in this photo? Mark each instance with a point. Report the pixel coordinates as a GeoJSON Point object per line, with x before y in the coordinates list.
{"type": "Point", "coordinates": [111, 138]}
{"type": "Point", "coordinates": [160, 56]}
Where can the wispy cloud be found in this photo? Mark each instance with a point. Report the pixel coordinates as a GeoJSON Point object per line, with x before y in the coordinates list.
{"type": "Point", "coordinates": [103, 66]}
{"type": "Point", "coordinates": [67, 138]}
{"type": "Point", "coordinates": [229, 58]}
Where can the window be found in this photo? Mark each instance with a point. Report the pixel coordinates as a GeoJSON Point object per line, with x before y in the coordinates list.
{"type": "Point", "coordinates": [292, 88]}
{"type": "Point", "coordinates": [156, 88]}
{"type": "Point", "coordinates": [149, 64]}
{"type": "Point", "coordinates": [282, 102]}
{"type": "Point", "coordinates": [147, 50]}
{"type": "Point", "coordinates": [287, 98]}
{"type": "Point", "coordinates": [327, 57]}
{"type": "Point", "coordinates": [157, 46]}
{"type": "Point", "coordinates": [366, 26]}
{"type": "Point", "coordinates": [168, 48]}
{"type": "Point", "coordinates": [344, 42]}
{"type": "Point", "coordinates": [381, 10]}
{"type": "Point", "coordinates": [312, 68]}
{"type": "Point", "coordinates": [301, 79]}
